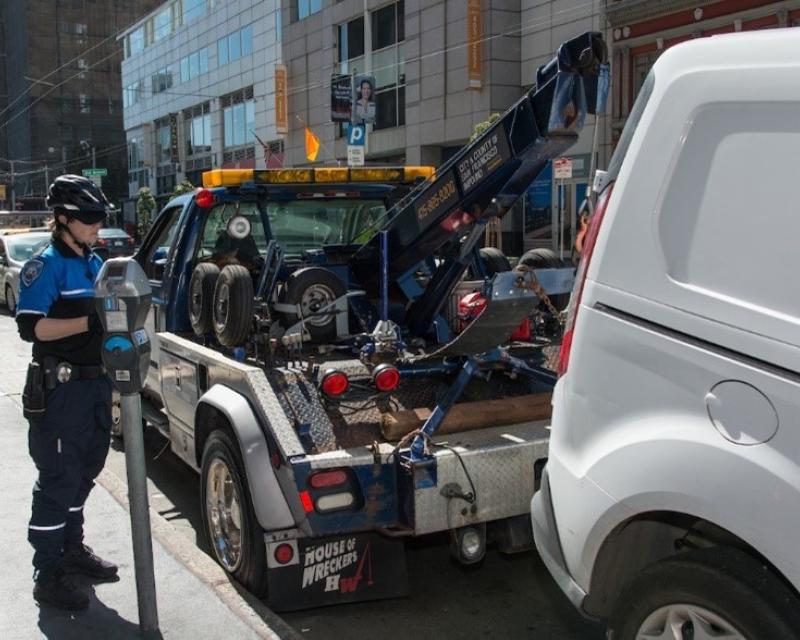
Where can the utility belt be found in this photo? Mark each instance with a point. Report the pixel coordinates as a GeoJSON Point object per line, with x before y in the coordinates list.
{"type": "Point", "coordinates": [47, 375]}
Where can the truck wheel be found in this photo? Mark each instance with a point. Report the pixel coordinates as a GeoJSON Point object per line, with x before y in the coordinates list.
{"type": "Point", "coordinates": [494, 260]}
{"type": "Point", "coordinates": [201, 297]}
{"type": "Point", "coordinates": [233, 305]}
{"type": "Point", "coordinates": [312, 289]}
{"type": "Point", "coordinates": [546, 259]}
{"type": "Point", "coordinates": [230, 522]}
{"type": "Point", "coordinates": [719, 592]}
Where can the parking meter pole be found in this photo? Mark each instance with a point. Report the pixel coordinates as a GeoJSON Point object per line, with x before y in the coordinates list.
{"type": "Point", "coordinates": [122, 298]}
{"type": "Point", "coordinates": [131, 405]}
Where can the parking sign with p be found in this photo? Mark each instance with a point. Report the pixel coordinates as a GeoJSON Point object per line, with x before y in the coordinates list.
{"type": "Point", "coordinates": [356, 135]}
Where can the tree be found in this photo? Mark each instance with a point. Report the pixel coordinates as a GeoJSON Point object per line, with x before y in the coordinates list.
{"type": "Point", "coordinates": [184, 186]}
{"type": "Point", "coordinates": [483, 126]}
{"type": "Point", "coordinates": [144, 211]}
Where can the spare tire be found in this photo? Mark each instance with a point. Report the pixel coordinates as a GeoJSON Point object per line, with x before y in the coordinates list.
{"type": "Point", "coordinates": [494, 260]}
{"type": "Point", "coordinates": [312, 289]}
{"type": "Point", "coordinates": [233, 305]}
{"type": "Point", "coordinates": [201, 297]}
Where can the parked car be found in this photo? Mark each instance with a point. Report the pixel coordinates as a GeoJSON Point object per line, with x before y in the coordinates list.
{"type": "Point", "coordinates": [15, 249]}
{"type": "Point", "coordinates": [670, 501]}
{"type": "Point", "coordinates": [114, 243]}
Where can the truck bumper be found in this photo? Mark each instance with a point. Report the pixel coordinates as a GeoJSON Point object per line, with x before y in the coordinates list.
{"type": "Point", "coordinates": [548, 544]}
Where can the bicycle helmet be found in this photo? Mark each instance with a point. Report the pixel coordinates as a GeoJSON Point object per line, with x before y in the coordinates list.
{"type": "Point", "coordinates": [78, 197]}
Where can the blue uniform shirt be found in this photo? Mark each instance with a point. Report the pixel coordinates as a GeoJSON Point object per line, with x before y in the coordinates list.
{"type": "Point", "coordinates": [58, 283]}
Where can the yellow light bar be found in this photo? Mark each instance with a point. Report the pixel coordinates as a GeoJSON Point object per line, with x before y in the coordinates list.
{"type": "Point", "coordinates": [319, 175]}
{"type": "Point", "coordinates": [226, 177]}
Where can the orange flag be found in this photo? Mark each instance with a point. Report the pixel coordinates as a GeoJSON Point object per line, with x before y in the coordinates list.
{"type": "Point", "coordinates": [312, 145]}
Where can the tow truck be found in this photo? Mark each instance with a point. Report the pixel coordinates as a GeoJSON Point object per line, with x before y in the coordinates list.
{"type": "Point", "coordinates": [333, 356]}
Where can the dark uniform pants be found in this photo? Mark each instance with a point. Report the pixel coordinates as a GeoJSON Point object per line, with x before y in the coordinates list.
{"type": "Point", "coordinates": [69, 446]}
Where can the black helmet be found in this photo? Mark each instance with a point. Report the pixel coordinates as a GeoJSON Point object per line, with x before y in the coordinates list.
{"type": "Point", "coordinates": [78, 198]}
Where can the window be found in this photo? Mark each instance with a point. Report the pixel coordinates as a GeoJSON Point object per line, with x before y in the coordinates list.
{"type": "Point", "coordinates": [162, 24]}
{"type": "Point", "coordinates": [236, 45]}
{"type": "Point", "coordinates": [136, 41]}
{"type": "Point", "coordinates": [278, 25]}
{"type": "Point", "coordinates": [193, 9]}
{"type": "Point", "coordinates": [85, 103]}
{"type": "Point", "coordinates": [83, 68]}
{"type": "Point", "coordinates": [216, 242]}
{"type": "Point", "coordinates": [238, 118]}
{"type": "Point", "coordinates": [387, 59]}
{"type": "Point", "coordinates": [136, 171]}
{"type": "Point", "coordinates": [81, 33]}
{"type": "Point", "coordinates": [132, 94]}
{"type": "Point", "coordinates": [163, 142]}
{"type": "Point", "coordinates": [197, 129]}
{"type": "Point", "coordinates": [194, 64]}
{"type": "Point", "coordinates": [162, 79]}
{"type": "Point", "coordinates": [158, 250]}
{"type": "Point", "coordinates": [306, 7]}
{"type": "Point", "coordinates": [351, 40]}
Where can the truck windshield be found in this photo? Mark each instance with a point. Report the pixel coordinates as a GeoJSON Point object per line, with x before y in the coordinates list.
{"type": "Point", "coordinates": [300, 225]}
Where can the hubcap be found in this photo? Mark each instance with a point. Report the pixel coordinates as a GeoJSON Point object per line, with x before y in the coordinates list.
{"type": "Point", "coordinates": [317, 297]}
{"type": "Point", "coordinates": [686, 622]}
{"type": "Point", "coordinates": [223, 509]}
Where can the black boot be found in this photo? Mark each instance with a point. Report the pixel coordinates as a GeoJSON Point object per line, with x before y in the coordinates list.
{"type": "Point", "coordinates": [83, 560]}
{"type": "Point", "coordinates": [58, 590]}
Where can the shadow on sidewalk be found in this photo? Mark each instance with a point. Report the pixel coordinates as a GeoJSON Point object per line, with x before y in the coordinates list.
{"type": "Point", "coordinates": [98, 621]}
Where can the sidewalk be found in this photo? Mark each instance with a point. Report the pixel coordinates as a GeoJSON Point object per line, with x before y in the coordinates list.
{"type": "Point", "coordinates": [195, 597]}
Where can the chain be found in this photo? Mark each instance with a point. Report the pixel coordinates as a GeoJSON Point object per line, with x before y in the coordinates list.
{"type": "Point", "coordinates": [534, 285]}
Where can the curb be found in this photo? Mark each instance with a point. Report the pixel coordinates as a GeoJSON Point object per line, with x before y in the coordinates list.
{"type": "Point", "coordinates": [260, 618]}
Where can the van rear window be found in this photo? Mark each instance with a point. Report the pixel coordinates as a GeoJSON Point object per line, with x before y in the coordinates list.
{"type": "Point", "coordinates": [630, 125]}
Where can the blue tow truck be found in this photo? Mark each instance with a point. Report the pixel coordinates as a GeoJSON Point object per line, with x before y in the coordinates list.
{"type": "Point", "coordinates": [345, 367]}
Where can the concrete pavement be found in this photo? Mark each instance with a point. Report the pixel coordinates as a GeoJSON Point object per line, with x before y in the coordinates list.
{"type": "Point", "coordinates": [195, 597]}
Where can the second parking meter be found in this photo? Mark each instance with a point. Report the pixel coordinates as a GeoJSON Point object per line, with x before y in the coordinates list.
{"type": "Point", "coordinates": [122, 298]}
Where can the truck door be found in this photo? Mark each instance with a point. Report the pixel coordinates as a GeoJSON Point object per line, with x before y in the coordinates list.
{"type": "Point", "coordinates": [153, 258]}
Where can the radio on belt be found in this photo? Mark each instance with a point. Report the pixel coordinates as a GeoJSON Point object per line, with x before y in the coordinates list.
{"type": "Point", "coordinates": [122, 295]}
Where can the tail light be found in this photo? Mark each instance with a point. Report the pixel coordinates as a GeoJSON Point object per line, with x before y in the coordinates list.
{"type": "Point", "coordinates": [101, 242]}
{"type": "Point", "coordinates": [204, 198]}
{"type": "Point", "coordinates": [334, 383]}
{"type": "Point", "coordinates": [325, 479]}
{"type": "Point", "coordinates": [130, 240]}
{"type": "Point", "coordinates": [329, 490]}
{"type": "Point", "coordinates": [386, 377]}
{"type": "Point", "coordinates": [580, 278]}
{"type": "Point", "coordinates": [284, 553]}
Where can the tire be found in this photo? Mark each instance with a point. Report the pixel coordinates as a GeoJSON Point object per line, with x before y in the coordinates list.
{"type": "Point", "coordinates": [722, 586]}
{"type": "Point", "coordinates": [313, 288]}
{"type": "Point", "coordinates": [11, 300]}
{"type": "Point", "coordinates": [229, 522]}
{"type": "Point", "coordinates": [201, 297]}
{"type": "Point", "coordinates": [233, 305]}
{"type": "Point", "coordinates": [494, 260]}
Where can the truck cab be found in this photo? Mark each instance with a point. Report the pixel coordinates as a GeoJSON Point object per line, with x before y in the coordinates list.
{"type": "Point", "coordinates": [670, 496]}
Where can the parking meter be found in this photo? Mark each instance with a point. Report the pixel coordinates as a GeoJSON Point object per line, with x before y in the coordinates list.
{"type": "Point", "coordinates": [122, 295]}
{"type": "Point", "coordinates": [122, 299]}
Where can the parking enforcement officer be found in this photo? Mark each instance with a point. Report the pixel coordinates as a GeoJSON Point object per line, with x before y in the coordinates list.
{"type": "Point", "coordinates": [67, 397]}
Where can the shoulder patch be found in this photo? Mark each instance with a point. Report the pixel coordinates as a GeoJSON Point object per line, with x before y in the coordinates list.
{"type": "Point", "coordinates": [31, 271]}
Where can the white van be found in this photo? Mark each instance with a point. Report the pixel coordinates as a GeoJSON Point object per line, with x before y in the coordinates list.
{"type": "Point", "coordinates": [670, 504]}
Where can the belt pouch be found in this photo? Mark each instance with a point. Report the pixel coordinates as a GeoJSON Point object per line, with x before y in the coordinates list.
{"type": "Point", "coordinates": [33, 396]}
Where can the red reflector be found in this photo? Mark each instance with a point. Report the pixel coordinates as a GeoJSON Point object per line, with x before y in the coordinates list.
{"type": "Point", "coordinates": [204, 198]}
{"type": "Point", "coordinates": [284, 553]}
{"type": "Point", "coordinates": [386, 377]}
{"type": "Point", "coordinates": [327, 479]}
{"type": "Point", "coordinates": [308, 505]}
{"type": "Point", "coordinates": [334, 383]}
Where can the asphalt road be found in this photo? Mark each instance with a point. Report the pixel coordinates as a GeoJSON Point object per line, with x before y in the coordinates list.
{"type": "Point", "coordinates": [506, 597]}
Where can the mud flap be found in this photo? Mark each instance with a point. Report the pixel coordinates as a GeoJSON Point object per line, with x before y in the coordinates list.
{"type": "Point", "coordinates": [335, 570]}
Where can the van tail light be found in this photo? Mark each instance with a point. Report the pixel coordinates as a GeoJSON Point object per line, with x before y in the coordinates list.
{"type": "Point", "coordinates": [580, 278]}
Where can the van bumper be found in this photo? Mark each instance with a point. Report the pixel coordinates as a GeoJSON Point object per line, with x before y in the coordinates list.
{"type": "Point", "coordinates": [548, 544]}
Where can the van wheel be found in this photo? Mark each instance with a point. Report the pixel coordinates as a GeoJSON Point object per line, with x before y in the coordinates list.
{"type": "Point", "coordinates": [233, 305]}
{"type": "Point", "coordinates": [313, 288]}
{"type": "Point", "coordinates": [201, 297]}
{"type": "Point", "coordinates": [720, 592]}
{"type": "Point", "coordinates": [494, 260]}
{"type": "Point", "coordinates": [230, 523]}
{"type": "Point", "coordinates": [11, 300]}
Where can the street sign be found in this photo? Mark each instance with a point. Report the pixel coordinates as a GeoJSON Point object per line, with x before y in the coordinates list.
{"type": "Point", "coordinates": [356, 135]}
{"type": "Point", "coordinates": [100, 171]}
{"type": "Point", "coordinates": [562, 168]}
{"type": "Point", "coordinates": [355, 156]}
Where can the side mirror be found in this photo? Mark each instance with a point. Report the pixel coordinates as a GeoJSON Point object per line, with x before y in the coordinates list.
{"type": "Point", "coordinates": [158, 269]}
